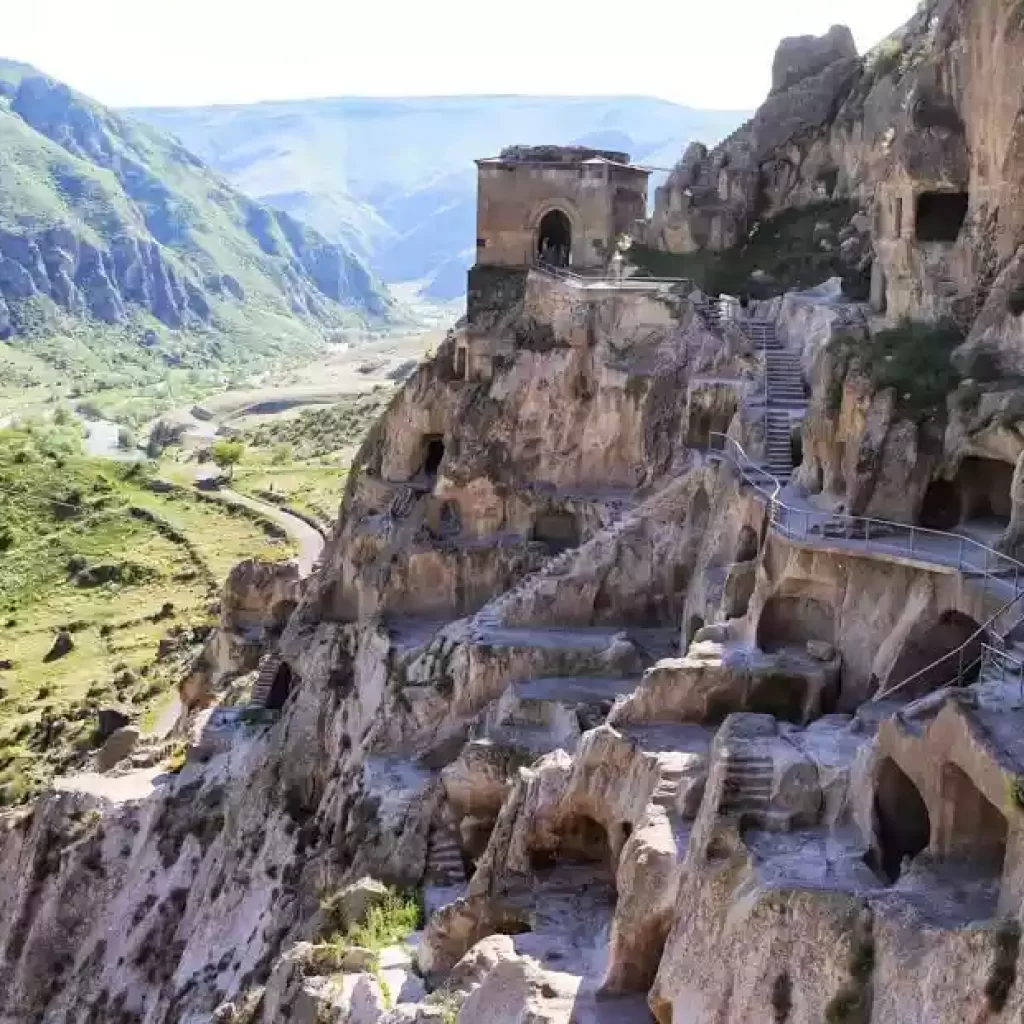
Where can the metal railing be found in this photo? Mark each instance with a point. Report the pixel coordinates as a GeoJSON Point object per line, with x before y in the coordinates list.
{"type": "Point", "coordinates": [868, 535]}
{"type": "Point", "coordinates": [602, 279]}
{"type": "Point", "coordinates": [1004, 664]}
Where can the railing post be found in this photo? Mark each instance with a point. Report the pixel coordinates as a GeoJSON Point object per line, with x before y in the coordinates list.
{"type": "Point", "coordinates": [912, 532]}
{"type": "Point", "coordinates": [867, 531]}
{"type": "Point", "coordinates": [960, 668]}
{"type": "Point", "coordinates": [960, 556]}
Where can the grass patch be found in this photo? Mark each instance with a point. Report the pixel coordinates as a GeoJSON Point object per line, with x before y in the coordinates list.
{"type": "Point", "coordinates": [129, 574]}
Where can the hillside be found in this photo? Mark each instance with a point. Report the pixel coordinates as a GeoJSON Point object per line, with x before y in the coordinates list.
{"type": "Point", "coordinates": [371, 174]}
{"type": "Point", "coordinates": [123, 256]}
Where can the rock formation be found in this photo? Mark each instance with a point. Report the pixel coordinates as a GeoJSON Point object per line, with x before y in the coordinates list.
{"type": "Point", "coordinates": [651, 733]}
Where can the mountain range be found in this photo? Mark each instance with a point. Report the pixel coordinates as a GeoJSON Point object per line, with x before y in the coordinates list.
{"type": "Point", "coordinates": [394, 180]}
{"type": "Point", "coordinates": [123, 255]}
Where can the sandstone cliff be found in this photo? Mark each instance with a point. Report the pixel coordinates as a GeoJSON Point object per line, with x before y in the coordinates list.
{"type": "Point", "coordinates": [606, 666]}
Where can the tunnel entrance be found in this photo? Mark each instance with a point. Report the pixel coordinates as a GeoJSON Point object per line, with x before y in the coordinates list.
{"type": "Point", "coordinates": [554, 239]}
{"type": "Point", "coordinates": [935, 646]}
{"type": "Point", "coordinates": [902, 825]}
{"type": "Point", "coordinates": [433, 454]}
{"type": "Point", "coordinates": [973, 829]}
{"type": "Point", "coordinates": [280, 689]}
{"type": "Point", "coordinates": [939, 216]}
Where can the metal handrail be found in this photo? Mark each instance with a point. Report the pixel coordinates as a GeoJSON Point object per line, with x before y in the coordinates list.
{"type": "Point", "coordinates": [604, 278]}
{"type": "Point", "coordinates": [990, 654]}
{"type": "Point", "coordinates": [859, 528]}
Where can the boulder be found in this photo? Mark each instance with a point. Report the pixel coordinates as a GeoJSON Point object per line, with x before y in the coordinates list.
{"type": "Point", "coordinates": [6, 664]}
{"type": "Point", "coordinates": [62, 645]}
{"type": "Point", "coordinates": [357, 959]}
{"type": "Point", "coordinates": [108, 721]}
{"type": "Point", "coordinates": [352, 905]}
{"type": "Point", "coordinates": [118, 746]}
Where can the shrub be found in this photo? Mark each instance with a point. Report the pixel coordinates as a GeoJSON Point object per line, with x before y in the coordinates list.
{"type": "Point", "coordinates": [914, 359]}
{"type": "Point", "coordinates": [227, 454]}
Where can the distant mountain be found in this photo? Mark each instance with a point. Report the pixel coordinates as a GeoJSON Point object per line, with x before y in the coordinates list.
{"type": "Point", "coordinates": [394, 178]}
{"type": "Point", "coordinates": [120, 243]}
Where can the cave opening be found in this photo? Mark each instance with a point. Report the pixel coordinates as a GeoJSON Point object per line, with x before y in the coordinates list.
{"type": "Point", "coordinates": [433, 454]}
{"type": "Point", "coordinates": [790, 620]}
{"type": "Point", "coordinates": [280, 688]}
{"type": "Point", "coordinates": [554, 239]}
{"type": "Point", "coordinates": [939, 216]}
{"type": "Point", "coordinates": [940, 509]}
{"type": "Point", "coordinates": [559, 530]}
{"type": "Point", "coordinates": [902, 824]}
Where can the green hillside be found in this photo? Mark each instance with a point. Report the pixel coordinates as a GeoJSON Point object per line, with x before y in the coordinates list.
{"type": "Point", "coordinates": [125, 262]}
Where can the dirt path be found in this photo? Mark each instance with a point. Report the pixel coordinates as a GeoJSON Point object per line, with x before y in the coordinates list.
{"type": "Point", "coordinates": [310, 542]}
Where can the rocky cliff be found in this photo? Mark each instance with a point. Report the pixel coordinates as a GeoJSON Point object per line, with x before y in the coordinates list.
{"type": "Point", "coordinates": [921, 133]}
{"type": "Point", "coordinates": [105, 220]}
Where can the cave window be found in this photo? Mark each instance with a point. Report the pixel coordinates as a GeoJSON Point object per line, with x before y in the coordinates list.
{"type": "Point", "coordinates": [902, 824]}
{"type": "Point", "coordinates": [940, 215]}
{"type": "Point", "coordinates": [460, 362]}
{"type": "Point", "coordinates": [554, 239]}
{"type": "Point", "coordinates": [433, 454]}
{"type": "Point", "coordinates": [281, 688]}
{"type": "Point", "coordinates": [973, 829]}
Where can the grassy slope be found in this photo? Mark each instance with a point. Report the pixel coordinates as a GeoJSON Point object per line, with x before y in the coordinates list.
{"type": "Point", "coordinates": [56, 505]}
{"type": "Point", "coordinates": [302, 461]}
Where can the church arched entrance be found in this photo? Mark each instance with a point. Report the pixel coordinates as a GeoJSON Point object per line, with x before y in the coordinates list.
{"type": "Point", "coordinates": [554, 239]}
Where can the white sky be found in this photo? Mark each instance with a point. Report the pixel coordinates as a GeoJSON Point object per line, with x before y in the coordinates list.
{"type": "Point", "coordinates": [705, 53]}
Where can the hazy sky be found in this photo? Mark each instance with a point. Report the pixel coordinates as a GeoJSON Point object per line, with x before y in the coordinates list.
{"type": "Point", "coordinates": [708, 53]}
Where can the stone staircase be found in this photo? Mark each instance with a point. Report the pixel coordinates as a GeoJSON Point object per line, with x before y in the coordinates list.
{"type": "Point", "coordinates": [445, 866]}
{"type": "Point", "coordinates": [747, 791]}
{"type": "Point", "coordinates": [493, 613]}
{"type": "Point", "coordinates": [265, 680]}
{"type": "Point", "coordinates": [784, 396]}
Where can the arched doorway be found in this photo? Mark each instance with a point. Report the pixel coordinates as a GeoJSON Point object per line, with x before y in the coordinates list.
{"type": "Point", "coordinates": [280, 688]}
{"type": "Point", "coordinates": [554, 239]}
{"type": "Point", "coordinates": [902, 826]}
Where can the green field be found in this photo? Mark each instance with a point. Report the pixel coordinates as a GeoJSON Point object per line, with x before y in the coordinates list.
{"type": "Point", "coordinates": [87, 546]}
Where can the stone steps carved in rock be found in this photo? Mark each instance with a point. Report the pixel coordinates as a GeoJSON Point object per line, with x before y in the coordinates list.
{"type": "Point", "coordinates": [265, 680]}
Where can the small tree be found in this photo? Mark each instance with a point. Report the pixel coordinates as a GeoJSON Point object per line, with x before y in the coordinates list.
{"type": "Point", "coordinates": [227, 454]}
{"type": "Point", "coordinates": [125, 439]}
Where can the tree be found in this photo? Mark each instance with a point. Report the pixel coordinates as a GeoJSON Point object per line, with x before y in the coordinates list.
{"type": "Point", "coordinates": [125, 439]}
{"type": "Point", "coordinates": [227, 454]}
